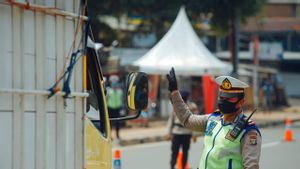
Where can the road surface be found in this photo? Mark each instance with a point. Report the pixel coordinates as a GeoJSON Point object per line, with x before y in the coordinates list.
{"type": "Point", "coordinates": [276, 154]}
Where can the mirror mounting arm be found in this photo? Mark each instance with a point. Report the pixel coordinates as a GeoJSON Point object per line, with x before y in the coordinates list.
{"type": "Point", "coordinates": [127, 117]}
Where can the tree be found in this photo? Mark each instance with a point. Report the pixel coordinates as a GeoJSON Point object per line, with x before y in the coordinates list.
{"type": "Point", "coordinates": [102, 32]}
{"type": "Point", "coordinates": [156, 14]}
{"type": "Point", "coordinates": [227, 14]}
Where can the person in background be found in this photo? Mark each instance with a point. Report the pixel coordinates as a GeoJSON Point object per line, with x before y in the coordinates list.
{"type": "Point", "coordinates": [180, 136]}
{"type": "Point", "coordinates": [268, 89]}
{"type": "Point", "coordinates": [115, 101]}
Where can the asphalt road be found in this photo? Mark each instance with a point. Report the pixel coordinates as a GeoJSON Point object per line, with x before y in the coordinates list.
{"type": "Point", "coordinates": [276, 154]}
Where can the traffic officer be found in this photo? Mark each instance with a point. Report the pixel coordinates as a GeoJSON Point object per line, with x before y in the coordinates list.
{"type": "Point", "coordinates": [221, 149]}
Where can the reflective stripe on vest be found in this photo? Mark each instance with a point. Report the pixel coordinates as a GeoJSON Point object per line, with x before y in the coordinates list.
{"type": "Point", "coordinates": [220, 150]}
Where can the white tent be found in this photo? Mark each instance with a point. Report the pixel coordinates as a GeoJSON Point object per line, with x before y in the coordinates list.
{"type": "Point", "coordinates": [182, 49]}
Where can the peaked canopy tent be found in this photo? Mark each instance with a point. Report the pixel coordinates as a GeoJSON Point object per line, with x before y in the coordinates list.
{"type": "Point", "coordinates": [182, 49]}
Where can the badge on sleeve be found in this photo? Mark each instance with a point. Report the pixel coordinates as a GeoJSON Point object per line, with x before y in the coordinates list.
{"type": "Point", "coordinates": [210, 128]}
{"type": "Point", "coordinates": [252, 138]}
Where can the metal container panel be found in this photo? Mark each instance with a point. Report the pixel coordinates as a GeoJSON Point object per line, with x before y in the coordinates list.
{"type": "Point", "coordinates": [31, 124]}
{"type": "Point", "coordinates": [51, 140]}
{"type": "Point", "coordinates": [22, 1]}
{"type": "Point", "coordinates": [69, 35]}
{"type": "Point", "coordinates": [49, 3]}
{"type": "Point", "coordinates": [70, 141]}
{"type": "Point", "coordinates": [29, 140]}
{"type": "Point", "coordinates": [69, 5]}
{"type": "Point", "coordinates": [6, 68]}
{"type": "Point", "coordinates": [28, 57]}
{"type": "Point", "coordinates": [50, 56]}
{"type": "Point", "coordinates": [6, 140]}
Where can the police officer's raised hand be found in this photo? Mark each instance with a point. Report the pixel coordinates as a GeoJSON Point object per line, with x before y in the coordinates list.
{"type": "Point", "coordinates": [172, 80]}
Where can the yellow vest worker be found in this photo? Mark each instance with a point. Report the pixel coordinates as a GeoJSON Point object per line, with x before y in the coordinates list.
{"type": "Point", "coordinates": [223, 147]}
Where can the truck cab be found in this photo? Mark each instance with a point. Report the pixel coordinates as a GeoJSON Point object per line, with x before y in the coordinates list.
{"type": "Point", "coordinates": [98, 134]}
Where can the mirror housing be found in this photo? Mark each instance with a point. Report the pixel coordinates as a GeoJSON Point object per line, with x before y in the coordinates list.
{"type": "Point", "coordinates": [137, 91]}
{"type": "Point", "coordinates": [136, 94]}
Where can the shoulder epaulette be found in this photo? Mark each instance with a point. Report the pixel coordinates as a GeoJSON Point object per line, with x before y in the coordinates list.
{"type": "Point", "coordinates": [216, 113]}
{"type": "Point", "coordinates": [249, 128]}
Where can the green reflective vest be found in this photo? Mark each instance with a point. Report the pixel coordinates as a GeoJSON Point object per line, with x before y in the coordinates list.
{"type": "Point", "coordinates": [221, 151]}
{"type": "Point", "coordinates": [114, 98]}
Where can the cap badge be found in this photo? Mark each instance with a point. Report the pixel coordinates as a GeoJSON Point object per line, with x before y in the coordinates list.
{"type": "Point", "coordinates": [226, 84]}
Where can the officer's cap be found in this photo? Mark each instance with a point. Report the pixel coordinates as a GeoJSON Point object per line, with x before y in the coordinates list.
{"type": "Point", "coordinates": [230, 87]}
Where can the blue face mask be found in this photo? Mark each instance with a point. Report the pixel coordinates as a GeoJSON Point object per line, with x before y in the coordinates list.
{"type": "Point", "coordinates": [227, 107]}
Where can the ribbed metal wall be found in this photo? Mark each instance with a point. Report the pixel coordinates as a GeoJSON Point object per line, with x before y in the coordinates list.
{"type": "Point", "coordinates": [37, 133]}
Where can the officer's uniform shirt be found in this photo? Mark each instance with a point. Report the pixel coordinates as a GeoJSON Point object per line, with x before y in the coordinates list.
{"type": "Point", "coordinates": [175, 127]}
{"type": "Point", "coordinates": [250, 143]}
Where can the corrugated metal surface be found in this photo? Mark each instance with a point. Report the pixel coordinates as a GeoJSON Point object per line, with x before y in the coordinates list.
{"type": "Point", "coordinates": [29, 141]}
{"type": "Point", "coordinates": [50, 54]}
{"type": "Point", "coordinates": [6, 67]}
{"type": "Point", "coordinates": [28, 56]}
{"type": "Point", "coordinates": [69, 34]}
{"type": "Point", "coordinates": [36, 132]}
{"type": "Point", "coordinates": [70, 141]}
{"type": "Point", "coordinates": [51, 140]}
{"type": "Point", "coordinates": [6, 140]}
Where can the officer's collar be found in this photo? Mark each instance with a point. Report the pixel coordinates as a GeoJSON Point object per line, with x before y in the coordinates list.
{"type": "Point", "coordinates": [240, 115]}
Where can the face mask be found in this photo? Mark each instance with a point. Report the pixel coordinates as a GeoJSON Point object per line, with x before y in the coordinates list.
{"type": "Point", "coordinates": [114, 84]}
{"type": "Point", "coordinates": [227, 107]}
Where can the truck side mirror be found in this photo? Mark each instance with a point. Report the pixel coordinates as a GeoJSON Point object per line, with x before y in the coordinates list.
{"type": "Point", "coordinates": [136, 94]}
{"type": "Point", "coordinates": [137, 91]}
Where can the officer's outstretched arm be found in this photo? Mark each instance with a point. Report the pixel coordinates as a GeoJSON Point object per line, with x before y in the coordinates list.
{"type": "Point", "coordinates": [185, 116]}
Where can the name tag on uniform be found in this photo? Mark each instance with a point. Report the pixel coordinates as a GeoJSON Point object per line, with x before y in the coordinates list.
{"type": "Point", "coordinates": [209, 129]}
